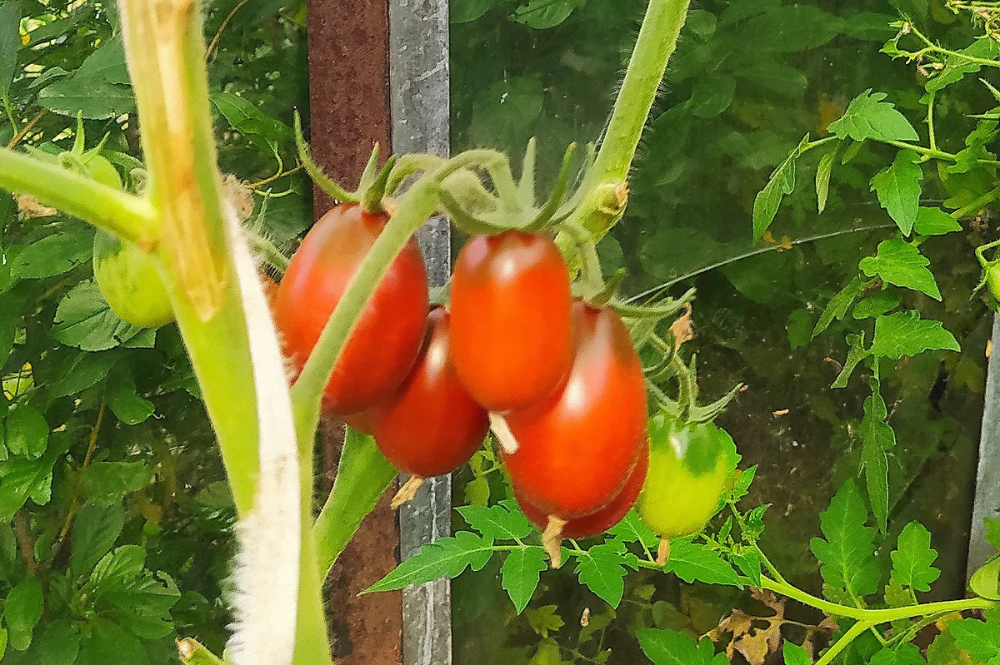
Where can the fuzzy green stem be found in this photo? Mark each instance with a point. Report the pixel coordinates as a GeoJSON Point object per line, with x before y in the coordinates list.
{"type": "Point", "coordinates": [657, 41]}
{"type": "Point", "coordinates": [125, 215]}
{"type": "Point", "coordinates": [366, 475]}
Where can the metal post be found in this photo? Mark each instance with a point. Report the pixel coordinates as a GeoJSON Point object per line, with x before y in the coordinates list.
{"type": "Point", "coordinates": [988, 477]}
{"type": "Point", "coordinates": [420, 111]}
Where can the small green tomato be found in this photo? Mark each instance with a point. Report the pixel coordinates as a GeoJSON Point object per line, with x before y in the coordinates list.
{"type": "Point", "coordinates": [130, 282]}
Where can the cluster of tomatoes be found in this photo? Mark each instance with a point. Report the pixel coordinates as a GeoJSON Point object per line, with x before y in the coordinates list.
{"type": "Point", "coordinates": [515, 346]}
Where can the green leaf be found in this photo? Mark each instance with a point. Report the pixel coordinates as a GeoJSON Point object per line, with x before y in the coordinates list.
{"type": "Point", "coordinates": [470, 10]}
{"type": "Point", "coordinates": [799, 328]}
{"type": "Point", "coordinates": [53, 255]}
{"type": "Point", "coordinates": [671, 647]}
{"type": "Point", "coordinates": [900, 263]}
{"type": "Point", "coordinates": [898, 189]}
{"type": "Point", "coordinates": [447, 557]}
{"type": "Point", "coordinates": [774, 76]}
{"type": "Point", "coordinates": [985, 582]}
{"type": "Point", "coordinates": [519, 574]}
{"type": "Point", "coordinates": [544, 14]}
{"type": "Point", "coordinates": [124, 399]}
{"type": "Point", "coordinates": [712, 95]}
{"type": "Point", "coordinates": [3, 642]}
{"type": "Point", "coordinates": [10, 43]}
{"type": "Point", "coordinates": [248, 120]}
{"type": "Point", "coordinates": [823, 173]}
{"type": "Point", "coordinates": [837, 308]}
{"type": "Point", "coordinates": [975, 147]}
{"type": "Point", "coordinates": [877, 305]}
{"type": "Point", "coordinates": [27, 432]}
{"type": "Point", "coordinates": [791, 28]}
{"type": "Point", "coordinates": [904, 654]}
{"type": "Point", "coordinates": [935, 222]}
{"type": "Point", "coordinates": [782, 182]}
{"type": "Point", "coordinates": [794, 654]}
{"type": "Point", "coordinates": [749, 563]}
{"type": "Point", "coordinates": [82, 371]}
{"type": "Point", "coordinates": [120, 588]}
{"type": "Point", "coordinates": [848, 552]}
{"type": "Point", "coordinates": [58, 643]}
{"type": "Point", "coordinates": [91, 97]}
{"type": "Point", "coordinates": [855, 355]}
{"type": "Point", "coordinates": [107, 482]}
{"type": "Point", "coordinates": [956, 67]}
{"type": "Point", "coordinates": [913, 558]}
{"type": "Point", "coordinates": [877, 439]}
{"type": "Point", "coordinates": [694, 562]}
{"type": "Point", "coordinates": [21, 479]}
{"type": "Point", "coordinates": [84, 320]}
{"type": "Point", "coordinates": [109, 644]}
{"type": "Point", "coordinates": [868, 117]}
{"type": "Point", "coordinates": [602, 571]}
{"type": "Point", "coordinates": [906, 334]}
{"type": "Point", "coordinates": [22, 611]}
{"type": "Point", "coordinates": [545, 619]}
{"type": "Point", "coordinates": [741, 487]}
{"type": "Point", "coordinates": [499, 522]}
{"type": "Point", "coordinates": [106, 64]}
{"type": "Point", "coordinates": [980, 638]}
{"type": "Point", "coordinates": [95, 530]}
{"type": "Point", "coordinates": [505, 112]}
{"type": "Point", "coordinates": [633, 530]}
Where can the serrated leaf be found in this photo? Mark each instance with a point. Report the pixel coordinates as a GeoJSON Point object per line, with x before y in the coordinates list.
{"type": "Point", "coordinates": [741, 486]}
{"type": "Point", "coordinates": [935, 222]}
{"type": "Point", "coordinates": [900, 263]}
{"type": "Point", "coordinates": [121, 588]}
{"type": "Point", "coordinates": [27, 432]}
{"type": "Point", "coordinates": [794, 654]}
{"type": "Point", "coordinates": [848, 552]}
{"type": "Point", "coordinates": [913, 558]}
{"type": "Point", "coordinates": [749, 564]}
{"type": "Point", "coordinates": [980, 638]}
{"type": "Point", "coordinates": [782, 182]}
{"type": "Point", "coordinates": [693, 562]}
{"type": "Point", "coordinates": [837, 308]}
{"type": "Point", "coordinates": [519, 574]}
{"type": "Point", "coordinates": [671, 647]}
{"type": "Point", "coordinates": [499, 522]}
{"type": "Point", "coordinates": [602, 571]}
{"type": "Point", "coordinates": [904, 654]}
{"type": "Point", "coordinates": [898, 189]}
{"type": "Point", "coordinates": [956, 67]}
{"type": "Point", "coordinates": [906, 334]}
{"type": "Point", "coordinates": [83, 371]}
{"type": "Point", "coordinates": [447, 557]}
{"type": "Point", "coordinates": [823, 173]}
{"type": "Point", "coordinates": [109, 643]}
{"type": "Point", "coordinates": [545, 619]}
{"type": "Point", "coordinates": [877, 305]}
{"type": "Point", "coordinates": [54, 254]}
{"type": "Point", "coordinates": [855, 355]}
{"type": "Point", "coordinates": [21, 479]}
{"type": "Point", "coordinates": [247, 119]}
{"type": "Point", "coordinates": [633, 530]}
{"type": "Point", "coordinates": [877, 439]}
{"type": "Point", "coordinates": [869, 117]}
{"type": "Point", "coordinates": [84, 320]}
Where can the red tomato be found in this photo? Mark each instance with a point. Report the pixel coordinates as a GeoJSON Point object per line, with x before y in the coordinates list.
{"type": "Point", "coordinates": [511, 322]}
{"type": "Point", "coordinates": [578, 448]}
{"type": "Point", "coordinates": [383, 346]}
{"type": "Point", "coordinates": [361, 421]}
{"type": "Point", "coordinates": [432, 425]}
{"type": "Point", "coordinates": [606, 517]}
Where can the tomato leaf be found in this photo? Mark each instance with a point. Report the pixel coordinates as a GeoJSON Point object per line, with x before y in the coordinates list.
{"type": "Point", "coordinates": [837, 308]}
{"type": "Point", "coordinates": [53, 255]}
{"type": "Point", "coordinates": [794, 654]}
{"type": "Point", "coordinates": [768, 200]}
{"type": "Point", "coordinates": [900, 263]}
{"type": "Point", "coordinates": [913, 558]}
{"type": "Point", "coordinates": [823, 173]}
{"type": "Point", "coordinates": [22, 611]}
{"type": "Point", "coordinates": [500, 522]}
{"type": "Point", "coordinates": [848, 552]}
{"type": "Point", "coordinates": [95, 530]}
{"type": "Point", "coordinates": [602, 571]}
{"type": "Point", "coordinates": [672, 647]}
{"type": "Point", "coordinates": [898, 189]}
{"type": "Point", "coordinates": [85, 320]}
{"type": "Point", "coordinates": [868, 117]}
{"type": "Point", "coordinates": [519, 574]}
{"type": "Point", "coordinates": [27, 432]}
{"type": "Point", "coordinates": [21, 479]}
{"type": "Point", "coordinates": [855, 355]}
{"type": "Point", "coordinates": [980, 638]}
{"type": "Point", "coordinates": [107, 482]}
{"type": "Point", "coordinates": [633, 530]}
{"type": "Point", "coordinates": [904, 654]}
{"type": "Point", "coordinates": [935, 222]}
{"type": "Point", "coordinates": [124, 399]}
{"type": "Point", "coordinates": [956, 67]}
{"type": "Point", "coordinates": [693, 562]}
{"type": "Point", "coordinates": [10, 42]}
{"type": "Point", "coordinates": [447, 557]}
{"type": "Point", "coordinates": [877, 305]}
{"type": "Point", "coordinates": [877, 439]}
{"type": "Point", "coordinates": [906, 334]}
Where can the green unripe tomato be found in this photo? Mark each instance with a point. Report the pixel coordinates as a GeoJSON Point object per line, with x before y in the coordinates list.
{"type": "Point", "coordinates": [688, 469]}
{"type": "Point", "coordinates": [993, 280]}
{"type": "Point", "coordinates": [130, 282]}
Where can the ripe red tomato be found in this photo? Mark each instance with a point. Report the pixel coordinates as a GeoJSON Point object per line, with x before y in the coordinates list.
{"type": "Point", "coordinates": [578, 448]}
{"type": "Point", "coordinates": [361, 421]}
{"type": "Point", "coordinates": [383, 346]}
{"type": "Point", "coordinates": [432, 425]}
{"type": "Point", "coordinates": [511, 322]}
{"type": "Point", "coordinates": [606, 517]}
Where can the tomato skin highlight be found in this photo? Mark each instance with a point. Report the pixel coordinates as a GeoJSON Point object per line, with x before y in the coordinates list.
{"type": "Point", "coordinates": [511, 320]}
{"type": "Point", "coordinates": [605, 518]}
{"type": "Point", "coordinates": [130, 282]}
{"type": "Point", "coordinates": [688, 469]}
{"type": "Point", "coordinates": [432, 425]}
{"type": "Point", "coordinates": [385, 342]}
{"type": "Point", "coordinates": [577, 449]}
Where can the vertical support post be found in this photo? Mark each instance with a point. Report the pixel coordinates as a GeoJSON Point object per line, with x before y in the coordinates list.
{"type": "Point", "coordinates": [420, 102]}
{"type": "Point", "coordinates": [988, 477]}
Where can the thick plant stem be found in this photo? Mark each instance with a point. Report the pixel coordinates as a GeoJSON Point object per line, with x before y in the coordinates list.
{"type": "Point", "coordinates": [657, 41]}
{"type": "Point", "coordinates": [125, 215]}
{"type": "Point", "coordinates": [845, 640]}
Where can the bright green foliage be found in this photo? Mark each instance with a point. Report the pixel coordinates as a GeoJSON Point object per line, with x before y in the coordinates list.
{"type": "Point", "coordinates": [669, 647]}
{"type": "Point", "coordinates": [898, 189]}
{"type": "Point", "coordinates": [912, 558]}
{"type": "Point", "coordinates": [848, 550]}
{"type": "Point", "coordinates": [900, 263]}
{"type": "Point", "coordinates": [870, 117]}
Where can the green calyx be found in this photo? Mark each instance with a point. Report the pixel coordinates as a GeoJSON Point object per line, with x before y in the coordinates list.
{"type": "Point", "coordinates": [371, 189]}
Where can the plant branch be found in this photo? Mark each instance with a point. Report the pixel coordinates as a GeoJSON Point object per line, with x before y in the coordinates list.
{"type": "Point", "coordinates": [845, 640]}
{"type": "Point", "coordinates": [125, 215]}
{"type": "Point", "coordinates": [22, 533]}
{"type": "Point", "coordinates": [27, 128]}
{"type": "Point", "coordinates": [222, 28]}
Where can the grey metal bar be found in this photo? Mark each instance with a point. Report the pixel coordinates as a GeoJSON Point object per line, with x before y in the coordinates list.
{"type": "Point", "coordinates": [419, 99]}
{"type": "Point", "coordinates": [988, 477]}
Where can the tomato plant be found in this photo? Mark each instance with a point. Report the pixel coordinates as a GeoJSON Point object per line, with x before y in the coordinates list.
{"type": "Point", "coordinates": [511, 323]}
{"type": "Point", "coordinates": [578, 448]}
{"type": "Point", "coordinates": [431, 426]}
{"type": "Point", "coordinates": [130, 282]}
{"type": "Point", "coordinates": [385, 343]}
